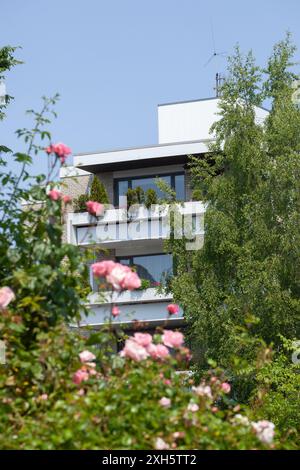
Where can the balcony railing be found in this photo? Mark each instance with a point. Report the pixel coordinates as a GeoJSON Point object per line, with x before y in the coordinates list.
{"type": "Point", "coordinates": [140, 223]}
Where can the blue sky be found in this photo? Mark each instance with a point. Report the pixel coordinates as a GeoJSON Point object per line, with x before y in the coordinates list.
{"type": "Point", "coordinates": [113, 61]}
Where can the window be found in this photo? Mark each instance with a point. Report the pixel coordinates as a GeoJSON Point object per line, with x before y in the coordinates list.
{"type": "Point", "coordinates": [175, 181]}
{"type": "Point", "coordinates": [153, 268]}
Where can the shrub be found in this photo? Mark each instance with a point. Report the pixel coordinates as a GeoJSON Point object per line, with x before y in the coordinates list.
{"type": "Point", "coordinates": [98, 192]}
{"type": "Point", "coordinates": [80, 203]}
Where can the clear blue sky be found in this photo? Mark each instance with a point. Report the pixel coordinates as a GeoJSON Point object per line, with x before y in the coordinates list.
{"type": "Point", "coordinates": [113, 61]}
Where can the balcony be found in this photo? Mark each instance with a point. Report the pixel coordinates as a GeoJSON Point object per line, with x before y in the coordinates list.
{"type": "Point", "coordinates": [117, 227]}
{"type": "Point", "coordinates": [146, 306]}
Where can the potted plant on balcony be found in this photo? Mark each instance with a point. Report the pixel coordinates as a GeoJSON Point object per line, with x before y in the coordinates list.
{"type": "Point", "coordinates": [97, 193]}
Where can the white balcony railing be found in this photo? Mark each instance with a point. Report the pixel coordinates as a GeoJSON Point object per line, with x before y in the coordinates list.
{"type": "Point", "coordinates": [118, 225]}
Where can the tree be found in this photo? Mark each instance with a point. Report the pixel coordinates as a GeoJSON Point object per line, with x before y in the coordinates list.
{"type": "Point", "coordinates": [98, 192]}
{"type": "Point", "coordinates": [248, 271]}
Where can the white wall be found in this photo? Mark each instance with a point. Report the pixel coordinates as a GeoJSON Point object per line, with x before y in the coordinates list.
{"type": "Point", "coordinates": [183, 122]}
{"type": "Point", "coordinates": [191, 120]}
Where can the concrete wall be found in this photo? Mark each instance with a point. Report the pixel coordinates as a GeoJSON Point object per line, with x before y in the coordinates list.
{"type": "Point", "coordinates": [191, 120]}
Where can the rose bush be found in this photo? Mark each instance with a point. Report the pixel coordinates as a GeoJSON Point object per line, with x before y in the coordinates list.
{"type": "Point", "coordinates": [61, 388]}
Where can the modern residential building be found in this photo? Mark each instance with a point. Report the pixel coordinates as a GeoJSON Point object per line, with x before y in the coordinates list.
{"type": "Point", "coordinates": [137, 238]}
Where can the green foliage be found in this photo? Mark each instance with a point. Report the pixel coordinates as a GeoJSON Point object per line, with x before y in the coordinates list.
{"type": "Point", "coordinates": [135, 196]}
{"type": "Point", "coordinates": [150, 198]}
{"type": "Point", "coordinates": [250, 179]}
{"type": "Point", "coordinates": [7, 61]}
{"type": "Point", "coordinates": [41, 408]}
{"type": "Point", "coordinates": [80, 203]}
{"type": "Point", "coordinates": [98, 192]}
{"type": "Point", "coordinates": [118, 406]}
{"type": "Point", "coordinates": [277, 396]}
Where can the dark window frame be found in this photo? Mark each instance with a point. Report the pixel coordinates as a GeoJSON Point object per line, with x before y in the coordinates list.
{"type": "Point", "coordinates": [131, 178]}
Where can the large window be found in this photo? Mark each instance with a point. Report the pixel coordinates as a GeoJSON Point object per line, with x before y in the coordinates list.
{"type": "Point", "coordinates": [175, 181]}
{"type": "Point", "coordinates": [153, 268]}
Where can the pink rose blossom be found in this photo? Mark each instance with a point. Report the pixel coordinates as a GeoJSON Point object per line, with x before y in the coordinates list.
{"type": "Point", "coordinates": [102, 268]}
{"type": "Point", "coordinates": [80, 376]}
{"type": "Point", "coordinates": [172, 309]}
{"type": "Point", "coordinates": [54, 194]}
{"type": "Point", "coordinates": [6, 296]}
{"type": "Point", "coordinates": [43, 397]}
{"type": "Point", "coordinates": [165, 402]}
{"type": "Point", "coordinates": [225, 386]}
{"type": "Point", "coordinates": [144, 339]}
{"type": "Point", "coordinates": [60, 150]}
{"type": "Point", "coordinates": [115, 311]}
{"type": "Point", "coordinates": [193, 407]}
{"type": "Point", "coordinates": [203, 391]}
{"type": "Point", "coordinates": [117, 275]}
{"type": "Point", "coordinates": [131, 281]}
{"type": "Point", "coordinates": [133, 350]}
{"type": "Point", "coordinates": [157, 351]}
{"type": "Point", "coordinates": [66, 199]}
{"type": "Point", "coordinates": [172, 339]}
{"type": "Point", "coordinates": [264, 431]}
{"type": "Point", "coordinates": [160, 444]}
{"type": "Point", "coordinates": [95, 208]}
{"type": "Point", "coordinates": [87, 356]}
{"type": "Point", "coordinates": [178, 434]}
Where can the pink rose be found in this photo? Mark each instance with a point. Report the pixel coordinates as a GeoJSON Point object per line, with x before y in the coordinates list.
{"type": "Point", "coordinates": [87, 356]}
{"type": "Point", "coordinates": [43, 397]}
{"type": "Point", "coordinates": [80, 376]}
{"type": "Point", "coordinates": [94, 208]}
{"type": "Point", "coordinates": [133, 350]}
{"type": "Point", "coordinates": [165, 402]}
{"type": "Point", "coordinates": [116, 276]}
{"type": "Point", "coordinates": [115, 311]}
{"type": "Point", "coordinates": [172, 309]}
{"type": "Point", "coordinates": [157, 351]}
{"type": "Point", "coordinates": [172, 339]}
{"type": "Point", "coordinates": [131, 281]}
{"type": "Point", "coordinates": [6, 296]}
{"type": "Point", "coordinates": [103, 268]}
{"type": "Point", "coordinates": [61, 151]}
{"type": "Point", "coordinates": [265, 431]}
{"type": "Point", "coordinates": [193, 407]}
{"type": "Point", "coordinates": [225, 386]}
{"type": "Point", "coordinates": [160, 444]}
{"type": "Point", "coordinates": [66, 199]}
{"type": "Point", "coordinates": [54, 194]}
{"type": "Point", "coordinates": [203, 391]}
{"type": "Point", "coordinates": [143, 339]}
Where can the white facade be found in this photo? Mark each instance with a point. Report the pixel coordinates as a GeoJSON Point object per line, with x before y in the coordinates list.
{"type": "Point", "coordinates": [191, 120]}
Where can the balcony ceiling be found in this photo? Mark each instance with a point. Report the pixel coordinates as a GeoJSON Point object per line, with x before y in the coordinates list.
{"type": "Point", "coordinates": [154, 155]}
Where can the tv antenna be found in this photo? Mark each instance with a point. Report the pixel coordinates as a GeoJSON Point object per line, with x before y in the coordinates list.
{"type": "Point", "coordinates": [219, 82]}
{"type": "Point", "coordinates": [219, 78]}
{"type": "Point", "coordinates": [215, 53]}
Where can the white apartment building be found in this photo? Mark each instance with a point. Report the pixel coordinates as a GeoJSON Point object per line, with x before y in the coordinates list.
{"type": "Point", "coordinates": [138, 240]}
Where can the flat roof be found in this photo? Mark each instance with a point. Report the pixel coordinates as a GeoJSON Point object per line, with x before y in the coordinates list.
{"type": "Point", "coordinates": [139, 156]}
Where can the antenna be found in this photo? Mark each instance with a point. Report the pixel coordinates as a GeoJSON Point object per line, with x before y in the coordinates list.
{"type": "Point", "coordinates": [215, 53]}
{"type": "Point", "coordinates": [219, 82]}
{"type": "Point", "coordinates": [219, 78]}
